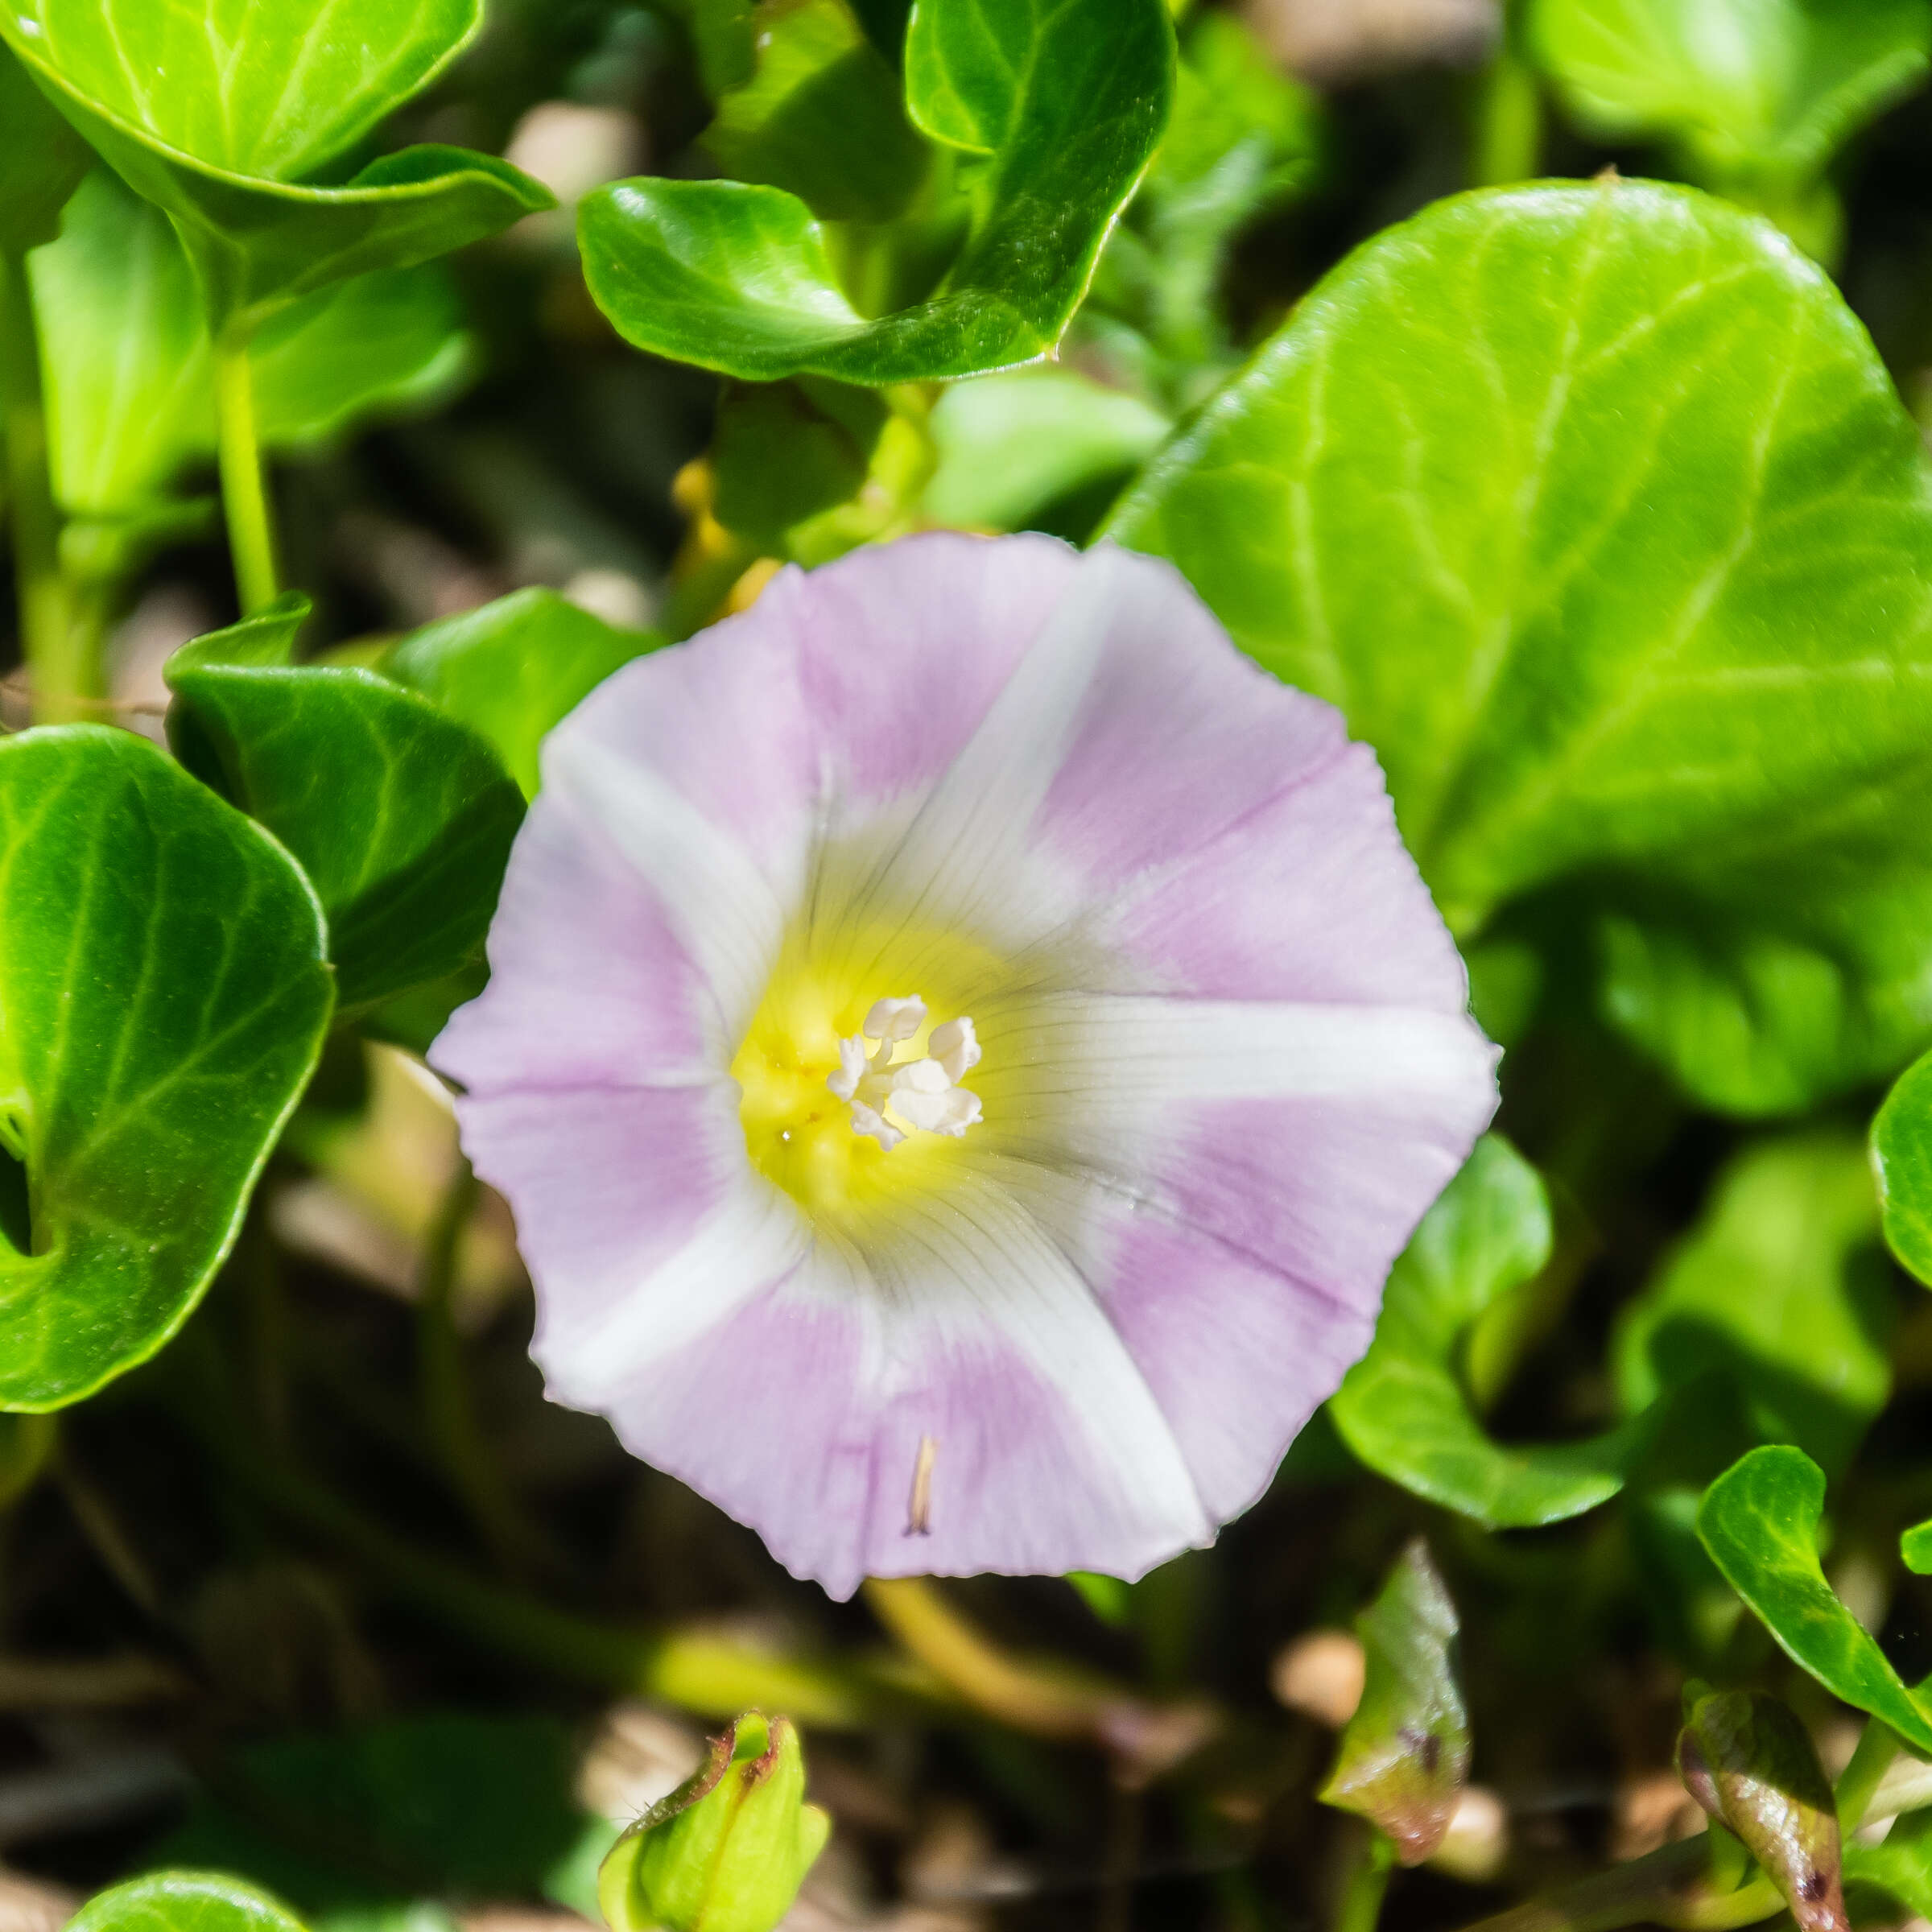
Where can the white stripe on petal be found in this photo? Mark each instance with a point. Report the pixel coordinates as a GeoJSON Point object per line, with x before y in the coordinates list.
{"type": "Point", "coordinates": [963, 861]}
{"type": "Point", "coordinates": [729, 917]}
{"type": "Point", "coordinates": [973, 1263]}
{"type": "Point", "coordinates": [754, 1237]}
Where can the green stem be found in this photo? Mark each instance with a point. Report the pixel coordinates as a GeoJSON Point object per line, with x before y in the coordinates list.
{"type": "Point", "coordinates": [1361, 1903]}
{"type": "Point", "coordinates": [444, 1385]}
{"type": "Point", "coordinates": [713, 1675]}
{"type": "Point", "coordinates": [1506, 141]}
{"type": "Point", "coordinates": [251, 533]}
{"type": "Point", "coordinates": [65, 677]}
{"type": "Point", "coordinates": [1858, 1784]}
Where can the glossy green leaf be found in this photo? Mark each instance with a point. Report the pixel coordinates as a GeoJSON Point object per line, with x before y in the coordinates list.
{"type": "Point", "coordinates": [1404, 1408]}
{"type": "Point", "coordinates": [129, 375]}
{"type": "Point", "coordinates": [1781, 1290]}
{"type": "Point", "coordinates": [1067, 100]}
{"type": "Point", "coordinates": [1012, 447]}
{"type": "Point", "coordinates": [165, 999]}
{"type": "Point", "coordinates": [514, 669]}
{"type": "Point", "coordinates": [1748, 1760]}
{"type": "Point", "coordinates": [184, 1901]}
{"type": "Point", "coordinates": [1404, 1757]}
{"type": "Point", "coordinates": [1594, 510]}
{"type": "Point", "coordinates": [1915, 1547]}
{"type": "Point", "coordinates": [1901, 1155]}
{"type": "Point", "coordinates": [42, 160]}
{"type": "Point", "coordinates": [1901, 1866]}
{"type": "Point", "coordinates": [822, 117]}
{"type": "Point", "coordinates": [1760, 1522]}
{"type": "Point", "coordinates": [1741, 85]}
{"type": "Point", "coordinates": [401, 816]}
{"type": "Point", "coordinates": [218, 126]}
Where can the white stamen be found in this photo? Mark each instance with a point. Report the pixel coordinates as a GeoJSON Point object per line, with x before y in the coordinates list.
{"type": "Point", "coordinates": [888, 1102]}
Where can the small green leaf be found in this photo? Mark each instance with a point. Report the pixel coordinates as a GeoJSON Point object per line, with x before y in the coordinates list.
{"type": "Point", "coordinates": [514, 669]}
{"type": "Point", "coordinates": [130, 384]}
{"type": "Point", "coordinates": [1012, 447]}
{"type": "Point", "coordinates": [1110, 1599]}
{"type": "Point", "coordinates": [1742, 86]}
{"type": "Point", "coordinates": [1915, 1547]}
{"type": "Point", "coordinates": [401, 816]}
{"type": "Point", "coordinates": [823, 118]}
{"type": "Point", "coordinates": [245, 113]}
{"type": "Point", "coordinates": [42, 160]}
{"type": "Point", "coordinates": [1750, 1765]}
{"type": "Point", "coordinates": [1760, 1522]}
{"type": "Point", "coordinates": [1068, 99]}
{"type": "Point", "coordinates": [1900, 1867]}
{"type": "Point", "coordinates": [165, 997]}
{"type": "Point", "coordinates": [1901, 1153]}
{"type": "Point", "coordinates": [1403, 1408]}
{"type": "Point", "coordinates": [184, 1901]}
{"type": "Point", "coordinates": [1781, 1290]}
{"type": "Point", "coordinates": [1404, 1757]}
{"type": "Point", "coordinates": [1594, 510]}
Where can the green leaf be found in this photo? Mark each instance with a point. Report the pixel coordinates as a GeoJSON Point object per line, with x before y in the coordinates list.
{"type": "Point", "coordinates": [1012, 447]}
{"type": "Point", "coordinates": [1068, 100]}
{"type": "Point", "coordinates": [1594, 510]}
{"type": "Point", "coordinates": [42, 160]}
{"type": "Point", "coordinates": [401, 816]}
{"type": "Point", "coordinates": [1915, 1547]}
{"type": "Point", "coordinates": [1404, 1757]}
{"type": "Point", "coordinates": [245, 113]}
{"type": "Point", "coordinates": [184, 1901]}
{"type": "Point", "coordinates": [1901, 1155]}
{"type": "Point", "coordinates": [514, 669]}
{"type": "Point", "coordinates": [1760, 1520]}
{"type": "Point", "coordinates": [1404, 1409]}
{"type": "Point", "coordinates": [1750, 1763]}
{"type": "Point", "coordinates": [165, 999]}
{"type": "Point", "coordinates": [130, 383]}
{"type": "Point", "coordinates": [824, 118]}
{"type": "Point", "coordinates": [1901, 1866]}
{"type": "Point", "coordinates": [1780, 1289]}
{"type": "Point", "coordinates": [1742, 86]}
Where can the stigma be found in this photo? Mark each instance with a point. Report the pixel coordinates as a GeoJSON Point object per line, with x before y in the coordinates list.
{"type": "Point", "coordinates": [919, 1095]}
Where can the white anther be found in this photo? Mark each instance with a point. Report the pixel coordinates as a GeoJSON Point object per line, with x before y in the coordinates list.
{"type": "Point", "coordinates": [888, 1102]}
{"type": "Point", "coordinates": [894, 1020]}
{"type": "Point", "coordinates": [956, 1047]}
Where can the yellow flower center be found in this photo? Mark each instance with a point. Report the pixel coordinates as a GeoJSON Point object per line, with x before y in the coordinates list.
{"type": "Point", "coordinates": [851, 1071]}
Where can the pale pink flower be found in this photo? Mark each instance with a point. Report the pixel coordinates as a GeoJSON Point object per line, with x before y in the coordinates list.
{"type": "Point", "coordinates": [963, 1047]}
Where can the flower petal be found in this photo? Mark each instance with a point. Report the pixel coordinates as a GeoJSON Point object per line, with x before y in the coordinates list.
{"type": "Point", "coordinates": [807, 1411]}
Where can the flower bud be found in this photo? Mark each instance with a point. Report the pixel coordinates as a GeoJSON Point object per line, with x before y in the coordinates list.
{"type": "Point", "coordinates": [728, 1849]}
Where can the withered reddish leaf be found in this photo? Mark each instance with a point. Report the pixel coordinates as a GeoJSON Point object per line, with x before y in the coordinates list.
{"type": "Point", "coordinates": [1404, 1757]}
{"type": "Point", "coordinates": [1751, 1764]}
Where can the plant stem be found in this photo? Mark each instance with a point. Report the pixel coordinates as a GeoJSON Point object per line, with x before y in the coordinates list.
{"type": "Point", "coordinates": [447, 1411]}
{"type": "Point", "coordinates": [1506, 141]}
{"type": "Point", "coordinates": [1858, 1784]}
{"type": "Point", "coordinates": [251, 533]}
{"type": "Point", "coordinates": [1361, 1903]}
{"type": "Point", "coordinates": [63, 673]}
{"type": "Point", "coordinates": [1041, 1699]}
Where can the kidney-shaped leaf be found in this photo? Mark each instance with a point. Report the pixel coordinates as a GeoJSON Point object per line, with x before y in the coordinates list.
{"type": "Point", "coordinates": [130, 376]}
{"type": "Point", "coordinates": [515, 668]}
{"type": "Point", "coordinates": [1759, 1521]}
{"type": "Point", "coordinates": [1594, 509]}
{"type": "Point", "coordinates": [218, 122]}
{"type": "Point", "coordinates": [163, 1000]}
{"type": "Point", "coordinates": [1901, 1151]}
{"type": "Point", "coordinates": [41, 160]}
{"type": "Point", "coordinates": [1066, 98]}
{"type": "Point", "coordinates": [402, 816]}
{"type": "Point", "coordinates": [1403, 1408]}
{"type": "Point", "coordinates": [184, 1901]}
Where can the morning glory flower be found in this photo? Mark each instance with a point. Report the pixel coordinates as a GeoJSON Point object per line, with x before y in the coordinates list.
{"type": "Point", "coordinates": [964, 1045]}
